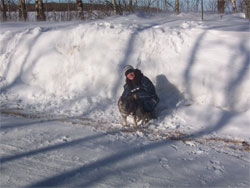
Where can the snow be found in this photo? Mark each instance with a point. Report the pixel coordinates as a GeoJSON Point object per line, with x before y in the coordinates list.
{"type": "Point", "coordinates": [60, 83]}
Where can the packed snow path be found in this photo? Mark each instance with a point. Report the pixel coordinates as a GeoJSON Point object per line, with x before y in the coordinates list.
{"type": "Point", "coordinates": [62, 154]}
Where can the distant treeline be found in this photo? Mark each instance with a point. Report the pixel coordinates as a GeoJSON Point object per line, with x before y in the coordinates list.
{"type": "Point", "coordinates": [107, 7]}
{"type": "Point", "coordinates": [52, 6]}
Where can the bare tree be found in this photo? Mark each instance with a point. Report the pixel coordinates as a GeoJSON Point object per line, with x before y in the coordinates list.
{"type": "Point", "coordinates": [80, 14]}
{"type": "Point", "coordinates": [3, 9]}
{"type": "Point", "coordinates": [211, 6]}
{"type": "Point", "coordinates": [158, 5]}
{"type": "Point", "coordinates": [114, 6]}
{"type": "Point", "coordinates": [9, 10]}
{"type": "Point", "coordinates": [46, 9]}
{"type": "Point", "coordinates": [221, 6]}
{"type": "Point", "coordinates": [68, 12]}
{"type": "Point", "coordinates": [131, 5]}
{"type": "Point", "coordinates": [197, 5]}
{"type": "Point", "coordinates": [136, 4]}
{"type": "Point", "coordinates": [168, 4]}
{"type": "Point", "coordinates": [202, 11]}
{"type": "Point", "coordinates": [177, 7]}
{"type": "Point", "coordinates": [247, 9]}
{"type": "Point", "coordinates": [188, 5]}
{"type": "Point", "coordinates": [234, 6]}
{"type": "Point", "coordinates": [120, 9]}
{"type": "Point", "coordinates": [40, 15]}
{"type": "Point", "coordinates": [22, 10]}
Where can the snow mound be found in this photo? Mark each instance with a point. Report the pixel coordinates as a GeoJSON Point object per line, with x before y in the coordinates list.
{"type": "Point", "coordinates": [75, 68]}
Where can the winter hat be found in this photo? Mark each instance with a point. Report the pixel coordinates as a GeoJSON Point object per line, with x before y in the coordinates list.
{"type": "Point", "coordinates": [128, 69]}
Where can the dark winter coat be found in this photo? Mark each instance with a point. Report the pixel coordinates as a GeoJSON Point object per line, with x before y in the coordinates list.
{"type": "Point", "coordinates": [144, 90]}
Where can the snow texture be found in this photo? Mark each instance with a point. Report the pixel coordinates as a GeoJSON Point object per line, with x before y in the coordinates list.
{"type": "Point", "coordinates": [60, 82]}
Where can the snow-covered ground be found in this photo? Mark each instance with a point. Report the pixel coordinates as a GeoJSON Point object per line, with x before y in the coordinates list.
{"type": "Point", "coordinates": [60, 82]}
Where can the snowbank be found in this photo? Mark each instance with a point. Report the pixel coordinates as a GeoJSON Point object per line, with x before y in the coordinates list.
{"type": "Point", "coordinates": [75, 68]}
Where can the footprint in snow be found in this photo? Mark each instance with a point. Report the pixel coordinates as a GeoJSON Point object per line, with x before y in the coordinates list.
{"type": "Point", "coordinates": [164, 163]}
{"type": "Point", "coordinates": [216, 166]}
{"type": "Point", "coordinates": [63, 139]}
{"type": "Point", "coordinates": [175, 147]}
{"type": "Point", "coordinates": [190, 143]}
{"type": "Point", "coordinates": [58, 140]}
{"type": "Point", "coordinates": [110, 25]}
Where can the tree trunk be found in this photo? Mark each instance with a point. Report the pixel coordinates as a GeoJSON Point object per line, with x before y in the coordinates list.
{"type": "Point", "coordinates": [40, 15]}
{"type": "Point", "coordinates": [234, 6]}
{"type": "Point", "coordinates": [187, 5]}
{"type": "Point", "coordinates": [247, 9]}
{"type": "Point", "coordinates": [3, 9]}
{"type": "Point", "coordinates": [131, 5]}
{"type": "Point", "coordinates": [80, 9]}
{"type": "Point", "coordinates": [41, 10]}
{"type": "Point", "coordinates": [115, 7]}
{"type": "Point", "coordinates": [221, 6]}
{"type": "Point", "coordinates": [177, 6]}
{"type": "Point", "coordinates": [202, 11]}
{"type": "Point", "coordinates": [37, 10]}
{"type": "Point", "coordinates": [9, 10]}
{"type": "Point", "coordinates": [68, 12]}
{"type": "Point", "coordinates": [120, 8]}
{"type": "Point", "coordinates": [22, 10]}
{"type": "Point", "coordinates": [46, 10]}
{"type": "Point", "coordinates": [136, 4]}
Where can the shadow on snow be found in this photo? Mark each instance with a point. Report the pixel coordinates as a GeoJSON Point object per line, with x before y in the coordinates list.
{"type": "Point", "coordinates": [169, 95]}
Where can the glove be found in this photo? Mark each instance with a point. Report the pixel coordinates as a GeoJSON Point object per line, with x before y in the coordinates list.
{"type": "Point", "coordinates": [134, 96]}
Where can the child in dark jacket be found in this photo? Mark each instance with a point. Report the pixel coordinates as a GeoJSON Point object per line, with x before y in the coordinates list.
{"type": "Point", "coordinates": [140, 88]}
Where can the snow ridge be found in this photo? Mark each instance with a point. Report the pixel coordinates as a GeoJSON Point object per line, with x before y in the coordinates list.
{"type": "Point", "coordinates": [74, 69]}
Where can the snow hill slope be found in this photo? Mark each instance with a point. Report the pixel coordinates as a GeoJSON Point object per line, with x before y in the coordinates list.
{"type": "Point", "coordinates": [200, 69]}
{"type": "Point", "coordinates": [59, 85]}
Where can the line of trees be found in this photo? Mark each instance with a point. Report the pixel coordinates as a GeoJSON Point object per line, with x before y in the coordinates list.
{"type": "Point", "coordinates": [119, 6]}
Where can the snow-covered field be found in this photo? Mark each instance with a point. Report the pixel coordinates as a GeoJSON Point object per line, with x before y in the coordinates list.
{"type": "Point", "coordinates": [60, 82]}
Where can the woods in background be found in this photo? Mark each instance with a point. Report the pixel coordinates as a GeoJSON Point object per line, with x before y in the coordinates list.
{"type": "Point", "coordinates": [77, 9]}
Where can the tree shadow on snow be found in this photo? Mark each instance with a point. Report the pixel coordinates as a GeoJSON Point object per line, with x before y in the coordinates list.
{"type": "Point", "coordinates": [96, 171]}
{"type": "Point", "coordinates": [129, 51]}
{"type": "Point", "coordinates": [231, 89]}
{"type": "Point", "coordinates": [23, 62]}
{"type": "Point", "coordinates": [125, 61]}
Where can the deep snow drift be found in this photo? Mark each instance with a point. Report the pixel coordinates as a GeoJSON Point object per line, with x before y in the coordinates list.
{"type": "Point", "coordinates": [65, 75]}
{"type": "Point", "coordinates": [200, 69]}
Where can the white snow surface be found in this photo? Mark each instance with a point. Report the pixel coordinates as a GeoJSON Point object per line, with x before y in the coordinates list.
{"type": "Point", "coordinates": [60, 82]}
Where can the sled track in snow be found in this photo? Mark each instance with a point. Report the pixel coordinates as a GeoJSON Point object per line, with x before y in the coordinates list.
{"type": "Point", "coordinates": [154, 135]}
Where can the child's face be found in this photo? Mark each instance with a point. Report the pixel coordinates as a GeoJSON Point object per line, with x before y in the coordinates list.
{"type": "Point", "coordinates": [131, 76]}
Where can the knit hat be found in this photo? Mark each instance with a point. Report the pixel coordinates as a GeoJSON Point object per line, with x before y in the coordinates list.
{"type": "Point", "coordinates": [128, 69]}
